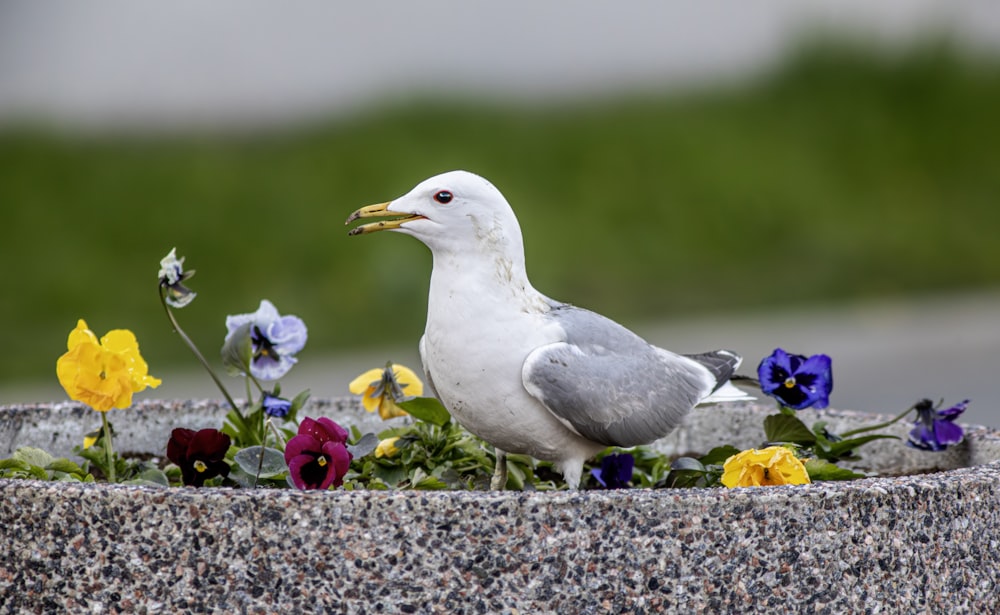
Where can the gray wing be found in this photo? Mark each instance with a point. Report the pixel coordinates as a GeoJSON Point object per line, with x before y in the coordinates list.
{"type": "Point", "coordinates": [610, 385]}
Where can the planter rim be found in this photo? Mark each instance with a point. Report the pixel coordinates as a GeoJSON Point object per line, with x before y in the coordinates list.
{"type": "Point", "coordinates": [985, 473]}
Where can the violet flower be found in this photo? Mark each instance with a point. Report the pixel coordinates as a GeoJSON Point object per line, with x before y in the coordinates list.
{"type": "Point", "coordinates": [275, 406]}
{"type": "Point", "coordinates": [199, 454]}
{"type": "Point", "coordinates": [936, 429]}
{"type": "Point", "coordinates": [318, 457]}
{"type": "Point", "coordinates": [275, 339]}
{"type": "Point", "coordinates": [615, 471]}
{"type": "Point", "coordinates": [796, 381]}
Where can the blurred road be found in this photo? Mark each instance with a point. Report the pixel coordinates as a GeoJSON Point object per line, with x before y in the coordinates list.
{"type": "Point", "coordinates": [886, 355]}
{"type": "Point", "coordinates": [249, 62]}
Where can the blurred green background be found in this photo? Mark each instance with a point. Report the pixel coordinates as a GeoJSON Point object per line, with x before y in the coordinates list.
{"type": "Point", "coordinates": [843, 175]}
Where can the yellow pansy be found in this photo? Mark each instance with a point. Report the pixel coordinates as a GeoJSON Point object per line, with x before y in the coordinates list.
{"type": "Point", "coordinates": [774, 465]}
{"type": "Point", "coordinates": [103, 373]}
{"type": "Point", "coordinates": [387, 448]}
{"type": "Point", "coordinates": [382, 388]}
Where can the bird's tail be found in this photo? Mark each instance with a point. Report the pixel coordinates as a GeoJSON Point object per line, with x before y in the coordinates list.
{"type": "Point", "coordinates": [726, 393]}
{"type": "Point", "coordinates": [722, 364]}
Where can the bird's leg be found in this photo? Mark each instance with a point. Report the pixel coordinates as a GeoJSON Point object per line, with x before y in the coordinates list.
{"type": "Point", "coordinates": [499, 481]}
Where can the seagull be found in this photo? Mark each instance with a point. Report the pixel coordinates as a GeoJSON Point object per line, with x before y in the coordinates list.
{"type": "Point", "coordinates": [526, 373]}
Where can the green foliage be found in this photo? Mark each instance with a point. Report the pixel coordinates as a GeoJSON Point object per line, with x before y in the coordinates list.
{"type": "Point", "coordinates": [430, 456]}
{"type": "Point", "coordinates": [127, 471]}
{"type": "Point", "coordinates": [258, 466]}
{"type": "Point", "coordinates": [705, 471]}
{"type": "Point", "coordinates": [34, 463]}
{"type": "Point", "coordinates": [881, 174]}
{"type": "Point", "coordinates": [426, 409]}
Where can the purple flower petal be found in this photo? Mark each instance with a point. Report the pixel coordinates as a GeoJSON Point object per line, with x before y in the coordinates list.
{"type": "Point", "coordinates": [615, 471]}
{"type": "Point", "coordinates": [796, 381]}
{"type": "Point", "coordinates": [953, 412]}
{"type": "Point", "coordinates": [948, 433]}
{"type": "Point", "coordinates": [296, 466]}
{"type": "Point", "coordinates": [301, 444]}
{"type": "Point", "coordinates": [276, 339]}
{"type": "Point", "coordinates": [288, 334]}
{"type": "Point", "coordinates": [936, 430]}
{"type": "Point", "coordinates": [276, 406]}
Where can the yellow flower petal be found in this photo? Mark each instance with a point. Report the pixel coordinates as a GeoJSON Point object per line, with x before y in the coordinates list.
{"type": "Point", "coordinates": [90, 439]}
{"type": "Point", "coordinates": [387, 448]}
{"type": "Point", "coordinates": [361, 384]}
{"type": "Point", "coordinates": [389, 410]}
{"type": "Point", "coordinates": [80, 335]}
{"type": "Point", "coordinates": [408, 380]}
{"type": "Point", "coordinates": [370, 403]}
{"type": "Point", "coordinates": [774, 465]}
{"type": "Point", "coordinates": [123, 343]}
{"type": "Point", "coordinates": [103, 374]}
{"type": "Point", "coordinates": [369, 382]}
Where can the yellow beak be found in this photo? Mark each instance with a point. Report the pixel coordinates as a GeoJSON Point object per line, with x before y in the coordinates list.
{"type": "Point", "coordinates": [379, 211]}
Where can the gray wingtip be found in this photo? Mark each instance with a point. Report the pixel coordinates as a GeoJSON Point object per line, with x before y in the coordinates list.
{"type": "Point", "coordinates": [721, 363]}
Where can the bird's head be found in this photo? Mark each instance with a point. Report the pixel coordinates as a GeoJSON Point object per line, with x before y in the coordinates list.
{"type": "Point", "coordinates": [455, 211]}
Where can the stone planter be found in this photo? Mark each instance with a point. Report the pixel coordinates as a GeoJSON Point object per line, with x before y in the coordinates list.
{"type": "Point", "coordinates": [916, 543]}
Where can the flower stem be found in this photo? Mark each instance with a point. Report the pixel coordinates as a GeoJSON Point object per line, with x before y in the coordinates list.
{"type": "Point", "coordinates": [895, 419]}
{"type": "Point", "coordinates": [197, 353]}
{"type": "Point", "coordinates": [109, 453]}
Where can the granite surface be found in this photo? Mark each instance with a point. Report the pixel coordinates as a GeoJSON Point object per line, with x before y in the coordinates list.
{"type": "Point", "coordinates": [921, 543]}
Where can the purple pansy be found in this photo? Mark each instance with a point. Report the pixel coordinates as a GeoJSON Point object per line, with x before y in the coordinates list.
{"type": "Point", "coordinates": [936, 429]}
{"type": "Point", "coordinates": [199, 454]}
{"type": "Point", "coordinates": [275, 340]}
{"type": "Point", "coordinates": [275, 406]}
{"type": "Point", "coordinates": [615, 471]}
{"type": "Point", "coordinates": [796, 381]}
{"type": "Point", "coordinates": [318, 457]}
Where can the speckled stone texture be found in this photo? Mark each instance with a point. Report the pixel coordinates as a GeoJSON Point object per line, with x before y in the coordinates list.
{"type": "Point", "coordinates": [913, 544]}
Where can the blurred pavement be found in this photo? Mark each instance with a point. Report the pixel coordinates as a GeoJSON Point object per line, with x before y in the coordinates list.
{"type": "Point", "coordinates": [886, 355]}
{"type": "Point", "coordinates": [248, 63]}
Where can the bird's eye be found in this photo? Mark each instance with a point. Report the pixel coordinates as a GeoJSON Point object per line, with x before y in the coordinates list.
{"type": "Point", "coordinates": [444, 197]}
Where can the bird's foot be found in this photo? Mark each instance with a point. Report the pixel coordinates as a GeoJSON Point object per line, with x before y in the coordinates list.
{"type": "Point", "coordinates": [499, 481]}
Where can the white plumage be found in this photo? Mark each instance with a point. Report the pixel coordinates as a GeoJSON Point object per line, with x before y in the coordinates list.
{"type": "Point", "coordinates": [523, 372]}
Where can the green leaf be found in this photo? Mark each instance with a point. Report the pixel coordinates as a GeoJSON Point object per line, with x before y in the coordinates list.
{"type": "Point", "coordinates": [391, 476]}
{"type": "Point", "coordinates": [297, 402]}
{"type": "Point", "coordinates": [843, 448]}
{"type": "Point", "coordinates": [686, 464]}
{"type": "Point", "coordinates": [152, 477]}
{"type": "Point", "coordinates": [364, 446]}
{"type": "Point", "coordinates": [33, 456]}
{"type": "Point", "coordinates": [239, 428]}
{"type": "Point", "coordinates": [430, 483]}
{"type": "Point", "coordinates": [426, 409]}
{"type": "Point", "coordinates": [820, 469]}
{"type": "Point", "coordinates": [237, 352]}
{"type": "Point", "coordinates": [719, 455]}
{"type": "Point", "coordinates": [272, 464]}
{"type": "Point", "coordinates": [241, 478]}
{"type": "Point", "coordinates": [38, 472]}
{"type": "Point", "coordinates": [13, 464]}
{"type": "Point", "coordinates": [65, 465]}
{"type": "Point", "coordinates": [787, 428]}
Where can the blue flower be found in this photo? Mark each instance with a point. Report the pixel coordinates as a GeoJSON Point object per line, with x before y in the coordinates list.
{"type": "Point", "coordinates": [276, 406]}
{"type": "Point", "coordinates": [615, 471]}
{"type": "Point", "coordinates": [796, 381]}
{"type": "Point", "coordinates": [275, 339]}
{"type": "Point", "coordinates": [936, 429]}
